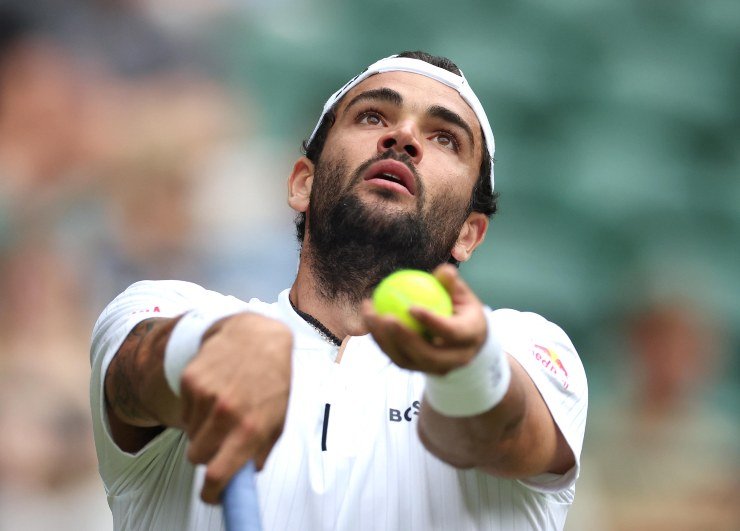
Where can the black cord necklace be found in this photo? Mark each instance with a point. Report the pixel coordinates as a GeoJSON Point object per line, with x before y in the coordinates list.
{"type": "Point", "coordinates": [320, 328]}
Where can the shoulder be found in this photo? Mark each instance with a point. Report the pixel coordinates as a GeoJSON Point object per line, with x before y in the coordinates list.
{"type": "Point", "coordinates": [522, 321]}
{"type": "Point", "coordinates": [516, 329]}
{"type": "Point", "coordinates": [160, 298]}
{"type": "Point", "coordinates": [543, 349]}
{"type": "Point", "coordinates": [172, 289]}
{"type": "Point", "coordinates": [168, 297]}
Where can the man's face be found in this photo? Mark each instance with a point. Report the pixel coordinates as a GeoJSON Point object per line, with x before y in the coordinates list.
{"type": "Point", "coordinates": [428, 136]}
{"type": "Point", "coordinates": [394, 181]}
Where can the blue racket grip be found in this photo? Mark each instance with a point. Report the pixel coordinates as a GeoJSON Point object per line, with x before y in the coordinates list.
{"type": "Point", "coordinates": [240, 503]}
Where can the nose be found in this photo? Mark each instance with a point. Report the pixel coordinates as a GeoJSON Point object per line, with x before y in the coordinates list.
{"type": "Point", "coordinates": [404, 138]}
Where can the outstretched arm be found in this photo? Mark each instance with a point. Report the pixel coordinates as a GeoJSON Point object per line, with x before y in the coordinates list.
{"type": "Point", "coordinates": [233, 400]}
{"type": "Point", "coordinates": [516, 437]}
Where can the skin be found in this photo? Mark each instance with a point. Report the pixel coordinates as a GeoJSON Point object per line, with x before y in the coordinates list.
{"type": "Point", "coordinates": [235, 391]}
{"type": "Point", "coordinates": [234, 394]}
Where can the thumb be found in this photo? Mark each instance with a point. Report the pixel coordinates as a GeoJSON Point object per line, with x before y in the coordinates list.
{"type": "Point", "coordinates": [459, 291]}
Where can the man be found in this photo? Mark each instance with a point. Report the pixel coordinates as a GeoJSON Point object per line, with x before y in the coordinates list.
{"type": "Point", "coordinates": [479, 427]}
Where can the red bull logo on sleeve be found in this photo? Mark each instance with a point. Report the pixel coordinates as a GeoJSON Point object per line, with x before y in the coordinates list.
{"type": "Point", "coordinates": [552, 362]}
{"type": "Point", "coordinates": [147, 310]}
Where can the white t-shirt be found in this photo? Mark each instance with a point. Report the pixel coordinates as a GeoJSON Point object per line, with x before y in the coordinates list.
{"type": "Point", "coordinates": [356, 464]}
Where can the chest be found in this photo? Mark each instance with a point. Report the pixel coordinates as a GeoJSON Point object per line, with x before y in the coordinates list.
{"type": "Point", "coordinates": [349, 408]}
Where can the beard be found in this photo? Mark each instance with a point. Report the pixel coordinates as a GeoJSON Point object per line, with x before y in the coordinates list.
{"type": "Point", "coordinates": [354, 245]}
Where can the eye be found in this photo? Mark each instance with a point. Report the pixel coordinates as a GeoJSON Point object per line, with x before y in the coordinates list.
{"type": "Point", "coordinates": [370, 117]}
{"type": "Point", "coordinates": [447, 140]}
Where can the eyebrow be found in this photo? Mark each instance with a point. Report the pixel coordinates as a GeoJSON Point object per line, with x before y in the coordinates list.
{"type": "Point", "coordinates": [443, 113]}
{"type": "Point", "coordinates": [380, 94]}
{"type": "Point", "coordinates": [435, 111]}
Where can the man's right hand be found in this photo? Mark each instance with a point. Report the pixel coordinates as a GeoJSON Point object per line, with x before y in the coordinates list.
{"type": "Point", "coordinates": [234, 396]}
{"type": "Point", "coordinates": [234, 393]}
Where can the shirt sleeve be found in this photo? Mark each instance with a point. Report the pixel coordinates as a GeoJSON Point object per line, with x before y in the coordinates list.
{"type": "Point", "coordinates": [548, 356]}
{"type": "Point", "coordinates": [121, 470]}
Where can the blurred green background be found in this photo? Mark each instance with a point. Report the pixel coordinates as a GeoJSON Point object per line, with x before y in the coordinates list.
{"type": "Point", "coordinates": [152, 139]}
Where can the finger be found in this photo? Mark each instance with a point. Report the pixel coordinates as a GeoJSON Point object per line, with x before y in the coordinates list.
{"type": "Point", "coordinates": [264, 452]}
{"type": "Point", "coordinates": [385, 331]}
{"type": "Point", "coordinates": [196, 407]}
{"type": "Point", "coordinates": [197, 398]}
{"type": "Point", "coordinates": [409, 349]}
{"type": "Point", "coordinates": [458, 330]}
{"type": "Point", "coordinates": [435, 357]}
{"type": "Point", "coordinates": [209, 435]}
{"type": "Point", "coordinates": [380, 326]}
{"type": "Point", "coordinates": [459, 291]}
{"type": "Point", "coordinates": [236, 450]}
{"type": "Point", "coordinates": [446, 274]}
{"type": "Point", "coordinates": [419, 354]}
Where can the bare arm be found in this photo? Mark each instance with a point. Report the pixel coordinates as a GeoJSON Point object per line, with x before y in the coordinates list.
{"type": "Point", "coordinates": [234, 393]}
{"type": "Point", "coordinates": [518, 437]}
{"type": "Point", "coordinates": [139, 401]}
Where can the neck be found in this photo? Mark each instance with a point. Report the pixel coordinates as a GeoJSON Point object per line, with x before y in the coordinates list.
{"type": "Point", "coordinates": [341, 316]}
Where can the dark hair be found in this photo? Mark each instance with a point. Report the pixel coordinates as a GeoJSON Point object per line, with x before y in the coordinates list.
{"type": "Point", "coordinates": [14, 26]}
{"type": "Point", "coordinates": [483, 198]}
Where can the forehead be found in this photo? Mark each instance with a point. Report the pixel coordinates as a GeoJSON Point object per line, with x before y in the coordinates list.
{"type": "Point", "coordinates": [418, 92]}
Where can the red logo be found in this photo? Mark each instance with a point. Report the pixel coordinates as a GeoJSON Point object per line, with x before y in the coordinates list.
{"type": "Point", "coordinates": [147, 310]}
{"type": "Point", "coordinates": [552, 362]}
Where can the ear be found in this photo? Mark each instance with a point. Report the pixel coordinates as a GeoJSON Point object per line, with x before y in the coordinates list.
{"type": "Point", "coordinates": [299, 184]}
{"type": "Point", "coordinates": [472, 234]}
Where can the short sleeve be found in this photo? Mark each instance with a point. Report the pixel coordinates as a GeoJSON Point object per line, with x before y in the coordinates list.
{"type": "Point", "coordinates": [548, 356]}
{"type": "Point", "coordinates": [142, 300]}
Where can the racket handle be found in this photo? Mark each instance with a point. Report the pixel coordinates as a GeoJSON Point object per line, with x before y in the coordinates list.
{"type": "Point", "coordinates": [240, 503]}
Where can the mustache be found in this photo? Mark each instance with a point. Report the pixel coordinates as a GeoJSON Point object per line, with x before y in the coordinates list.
{"type": "Point", "coordinates": [389, 154]}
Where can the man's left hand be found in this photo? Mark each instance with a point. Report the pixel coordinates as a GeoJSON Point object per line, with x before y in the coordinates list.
{"type": "Point", "coordinates": [452, 341]}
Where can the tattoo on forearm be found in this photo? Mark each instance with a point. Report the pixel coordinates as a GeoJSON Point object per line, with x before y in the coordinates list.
{"type": "Point", "coordinates": [123, 380]}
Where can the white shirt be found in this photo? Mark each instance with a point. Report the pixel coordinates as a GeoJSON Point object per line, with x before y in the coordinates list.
{"type": "Point", "coordinates": [366, 469]}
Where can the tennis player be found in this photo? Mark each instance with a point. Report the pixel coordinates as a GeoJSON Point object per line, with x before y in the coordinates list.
{"type": "Point", "coordinates": [355, 422]}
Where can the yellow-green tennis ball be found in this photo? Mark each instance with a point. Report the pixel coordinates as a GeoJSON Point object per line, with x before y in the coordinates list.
{"type": "Point", "coordinates": [405, 288]}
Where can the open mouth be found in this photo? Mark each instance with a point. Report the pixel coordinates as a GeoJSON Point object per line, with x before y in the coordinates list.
{"type": "Point", "coordinates": [393, 175]}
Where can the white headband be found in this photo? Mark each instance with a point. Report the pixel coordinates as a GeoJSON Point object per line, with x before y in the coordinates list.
{"type": "Point", "coordinates": [417, 66]}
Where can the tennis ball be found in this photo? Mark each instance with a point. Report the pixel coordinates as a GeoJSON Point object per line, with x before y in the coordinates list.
{"type": "Point", "coordinates": [397, 292]}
